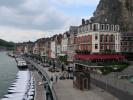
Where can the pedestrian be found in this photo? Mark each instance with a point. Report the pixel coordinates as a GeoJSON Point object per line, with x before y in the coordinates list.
{"type": "Point", "coordinates": [51, 78]}
{"type": "Point", "coordinates": [56, 78]}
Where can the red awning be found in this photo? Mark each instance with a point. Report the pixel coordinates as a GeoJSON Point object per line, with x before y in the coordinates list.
{"type": "Point", "coordinates": [98, 56]}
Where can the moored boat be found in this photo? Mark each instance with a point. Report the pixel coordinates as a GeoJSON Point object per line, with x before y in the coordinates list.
{"type": "Point", "coordinates": [22, 64]}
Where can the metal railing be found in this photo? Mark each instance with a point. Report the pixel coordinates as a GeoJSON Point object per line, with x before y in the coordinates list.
{"type": "Point", "coordinates": [45, 74]}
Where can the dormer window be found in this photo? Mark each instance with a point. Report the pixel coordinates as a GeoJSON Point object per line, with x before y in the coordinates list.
{"type": "Point", "coordinates": [112, 27]}
{"type": "Point", "coordinates": [117, 28]}
{"type": "Point", "coordinates": [107, 27]}
{"type": "Point", "coordinates": [102, 26]}
{"type": "Point", "coordinates": [95, 27]}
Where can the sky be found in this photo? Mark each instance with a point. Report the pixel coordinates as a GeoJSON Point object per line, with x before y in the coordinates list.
{"type": "Point", "coordinates": [24, 20]}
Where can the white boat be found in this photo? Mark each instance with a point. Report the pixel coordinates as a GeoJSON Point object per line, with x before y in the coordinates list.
{"type": "Point", "coordinates": [22, 64]}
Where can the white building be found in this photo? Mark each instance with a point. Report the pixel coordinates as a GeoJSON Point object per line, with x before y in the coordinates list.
{"type": "Point", "coordinates": [36, 49]}
{"type": "Point", "coordinates": [98, 37]}
{"type": "Point", "coordinates": [53, 49]}
{"type": "Point", "coordinates": [64, 43]}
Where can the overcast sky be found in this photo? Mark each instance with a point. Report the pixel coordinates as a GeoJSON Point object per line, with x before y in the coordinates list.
{"type": "Point", "coordinates": [24, 20]}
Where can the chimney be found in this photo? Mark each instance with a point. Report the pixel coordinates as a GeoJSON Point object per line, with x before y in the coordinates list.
{"type": "Point", "coordinates": [87, 21]}
{"type": "Point", "coordinates": [83, 21]}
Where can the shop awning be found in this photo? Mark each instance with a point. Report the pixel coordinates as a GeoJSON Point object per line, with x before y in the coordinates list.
{"type": "Point", "coordinates": [99, 56]}
{"type": "Point", "coordinates": [61, 54]}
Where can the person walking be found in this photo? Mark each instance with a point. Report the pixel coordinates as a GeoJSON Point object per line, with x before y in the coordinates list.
{"type": "Point", "coordinates": [56, 78]}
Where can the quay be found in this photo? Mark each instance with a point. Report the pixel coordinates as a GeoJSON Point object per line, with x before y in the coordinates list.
{"type": "Point", "coordinates": [39, 89]}
{"type": "Point", "coordinates": [64, 90]}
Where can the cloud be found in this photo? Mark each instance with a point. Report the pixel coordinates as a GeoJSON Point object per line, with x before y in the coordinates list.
{"type": "Point", "coordinates": [33, 16]}
{"type": "Point", "coordinates": [11, 3]}
{"type": "Point", "coordinates": [76, 2]}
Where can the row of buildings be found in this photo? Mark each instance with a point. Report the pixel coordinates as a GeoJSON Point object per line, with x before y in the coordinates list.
{"type": "Point", "coordinates": [53, 47]}
{"type": "Point", "coordinates": [92, 37]}
{"type": "Point", "coordinates": [93, 44]}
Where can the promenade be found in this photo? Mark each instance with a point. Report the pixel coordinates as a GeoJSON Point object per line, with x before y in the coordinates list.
{"type": "Point", "coordinates": [64, 89]}
{"type": "Point", "coordinates": [40, 92]}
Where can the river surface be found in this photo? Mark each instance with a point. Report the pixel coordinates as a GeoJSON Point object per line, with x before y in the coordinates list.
{"type": "Point", "coordinates": [8, 71]}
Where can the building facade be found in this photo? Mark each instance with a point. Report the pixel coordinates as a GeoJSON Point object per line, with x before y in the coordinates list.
{"type": "Point", "coordinates": [28, 48]}
{"type": "Point", "coordinates": [64, 43]}
{"type": "Point", "coordinates": [127, 42]}
{"type": "Point", "coordinates": [71, 43]}
{"type": "Point", "coordinates": [53, 47]}
{"type": "Point", "coordinates": [98, 37]}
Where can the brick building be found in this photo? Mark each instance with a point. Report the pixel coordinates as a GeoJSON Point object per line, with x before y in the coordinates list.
{"type": "Point", "coordinates": [98, 37]}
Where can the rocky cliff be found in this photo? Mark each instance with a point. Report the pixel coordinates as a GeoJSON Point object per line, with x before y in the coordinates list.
{"type": "Point", "coordinates": [116, 12]}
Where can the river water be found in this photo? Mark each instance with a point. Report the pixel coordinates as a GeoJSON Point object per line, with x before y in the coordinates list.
{"type": "Point", "coordinates": [8, 71]}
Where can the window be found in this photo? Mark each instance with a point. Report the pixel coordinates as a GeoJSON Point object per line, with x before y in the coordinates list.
{"type": "Point", "coordinates": [106, 47]}
{"type": "Point", "coordinates": [102, 26]}
{"type": "Point", "coordinates": [84, 39]}
{"type": "Point", "coordinates": [96, 46]}
{"type": "Point", "coordinates": [95, 27]}
{"type": "Point", "coordinates": [102, 38]}
{"type": "Point", "coordinates": [116, 37]}
{"type": "Point", "coordinates": [88, 38]}
{"type": "Point", "coordinates": [107, 27]}
{"type": "Point", "coordinates": [112, 27]}
{"type": "Point", "coordinates": [106, 38]}
{"type": "Point", "coordinates": [111, 38]}
{"type": "Point", "coordinates": [102, 47]}
{"type": "Point", "coordinates": [96, 37]}
{"type": "Point", "coordinates": [116, 27]}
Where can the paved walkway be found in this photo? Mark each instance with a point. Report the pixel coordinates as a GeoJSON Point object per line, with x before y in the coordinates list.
{"type": "Point", "coordinates": [65, 91]}
{"type": "Point", "coordinates": [40, 92]}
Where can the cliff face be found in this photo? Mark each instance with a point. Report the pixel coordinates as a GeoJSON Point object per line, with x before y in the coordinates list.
{"type": "Point", "coordinates": [116, 12]}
